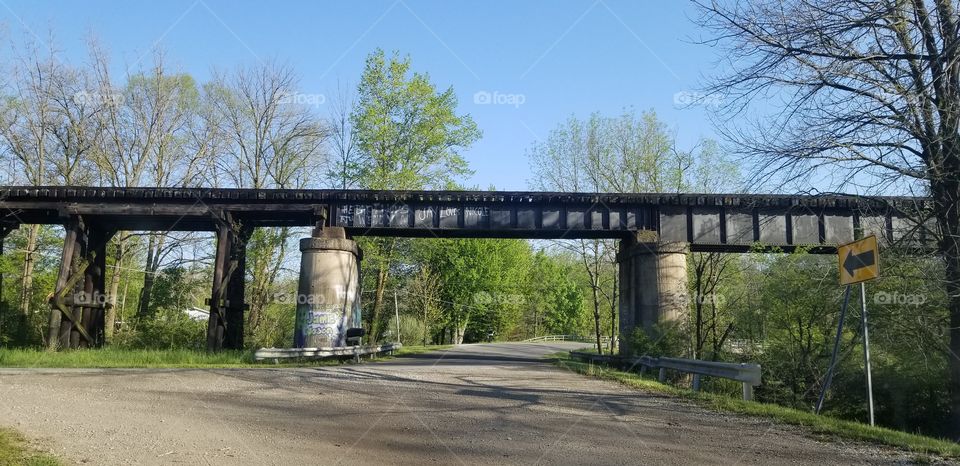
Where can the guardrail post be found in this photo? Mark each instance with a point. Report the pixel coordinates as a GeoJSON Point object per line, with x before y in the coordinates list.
{"type": "Point", "coordinates": [696, 382]}
{"type": "Point", "coordinates": [663, 375]}
{"type": "Point", "coordinates": [747, 392]}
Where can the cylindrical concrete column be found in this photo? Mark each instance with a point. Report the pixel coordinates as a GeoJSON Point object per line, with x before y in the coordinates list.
{"type": "Point", "coordinates": [653, 286]}
{"type": "Point", "coordinates": [328, 301]}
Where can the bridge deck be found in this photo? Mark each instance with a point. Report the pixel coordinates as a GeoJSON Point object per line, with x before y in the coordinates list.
{"type": "Point", "coordinates": [720, 222]}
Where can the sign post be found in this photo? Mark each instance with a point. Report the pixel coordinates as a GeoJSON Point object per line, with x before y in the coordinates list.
{"type": "Point", "coordinates": [836, 348]}
{"type": "Point", "coordinates": [859, 262]}
{"type": "Point", "coordinates": [866, 348]}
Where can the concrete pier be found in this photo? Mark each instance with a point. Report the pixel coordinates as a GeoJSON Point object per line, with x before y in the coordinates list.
{"type": "Point", "coordinates": [653, 279]}
{"type": "Point", "coordinates": [328, 300]}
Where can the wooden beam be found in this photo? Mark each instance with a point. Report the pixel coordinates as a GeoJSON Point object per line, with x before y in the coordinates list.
{"type": "Point", "coordinates": [71, 328]}
{"type": "Point", "coordinates": [66, 258]}
{"type": "Point", "coordinates": [236, 302]}
{"type": "Point", "coordinates": [216, 325]}
{"type": "Point", "coordinates": [76, 319]}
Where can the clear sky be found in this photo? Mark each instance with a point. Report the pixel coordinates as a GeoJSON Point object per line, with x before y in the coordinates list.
{"type": "Point", "coordinates": [536, 62]}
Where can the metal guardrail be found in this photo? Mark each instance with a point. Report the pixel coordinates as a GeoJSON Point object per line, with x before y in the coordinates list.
{"type": "Point", "coordinates": [576, 338]}
{"type": "Point", "coordinates": [277, 354]}
{"type": "Point", "coordinates": [748, 374]}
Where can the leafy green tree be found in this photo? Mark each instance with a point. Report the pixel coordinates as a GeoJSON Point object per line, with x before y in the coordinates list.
{"type": "Point", "coordinates": [407, 136]}
{"type": "Point", "coordinates": [481, 283]}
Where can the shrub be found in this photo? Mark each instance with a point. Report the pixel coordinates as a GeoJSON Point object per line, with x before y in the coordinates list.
{"type": "Point", "coordinates": [167, 329]}
{"type": "Point", "coordinates": [662, 340]}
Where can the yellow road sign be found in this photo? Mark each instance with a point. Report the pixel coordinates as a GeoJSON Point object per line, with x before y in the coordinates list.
{"type": "Point", "coordinates": [859, 261]}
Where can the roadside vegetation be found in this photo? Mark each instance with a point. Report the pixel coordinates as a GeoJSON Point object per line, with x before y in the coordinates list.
{"type": "Point", "coordinates": [817, 425]}
{"type": "Point", "coordinates": [15, 451]}
{"type": "Point", "coordinates": [161, 358]}
{"type": "Point", "coordinates": [826, 426]}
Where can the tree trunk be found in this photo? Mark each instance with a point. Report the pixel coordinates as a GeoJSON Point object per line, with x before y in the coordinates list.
{"type": "Point", "coordinates": [461, 329]}
{"type": "Point", "coordinates": [110, 316]}
{"type": "Point", "coordinates": [947, 196]}
{"type": "Point", "coordinates": [383, 274]}
{"type": "Point", "coordinates": [378, 303]}
{"type": "Point", "coordinates": [596, 315]}
{"type": "Point", "coordinates": [614, 308]}
{"type": "Point", "coordinates": [143, 308]}
{"type": "Point", "coordinates": [29, 262]}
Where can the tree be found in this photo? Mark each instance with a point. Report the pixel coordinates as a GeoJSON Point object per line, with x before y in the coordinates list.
{"type": "Point", "coordinates": [407, 136]}
{"type": "Point", "coordinates": [628, 153]}
{"type": "Point", "coordinates": [148, 128]}
{"type": "Point", "coordinates": [423, 295]}
{"type": "Point", "coordinates": [47, 129]}
{"type": "Point", "coordinates": [270, 141]}
{"type": "Point", "coordinates": [866, 94]}
{"type": "Point", "coordinates": [481, 283]}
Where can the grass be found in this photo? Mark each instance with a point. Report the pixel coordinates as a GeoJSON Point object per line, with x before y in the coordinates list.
{"type": "Point", "coordinates": [819, 425]}
{"type": "Point", "coordinates": [14, 450]}
{"type": "Point", "coordinates": [420, 349]}
{"type": "Point", "coordinates": [109, 358]}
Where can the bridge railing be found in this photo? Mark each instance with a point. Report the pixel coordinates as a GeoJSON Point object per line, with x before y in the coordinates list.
{"type": "Point", "coordinates": [747, 374]}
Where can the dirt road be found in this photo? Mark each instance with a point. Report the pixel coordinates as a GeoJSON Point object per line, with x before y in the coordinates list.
{"type": "Point", "coordinates": [475, 404]}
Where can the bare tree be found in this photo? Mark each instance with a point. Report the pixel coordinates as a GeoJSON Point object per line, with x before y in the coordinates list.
{"type": "Point", "coordinates": [865, 94]}
{"type": "Point", "coordinates": [626, 154]}
{"type": "Point", "coordinates": [272, 140]}
{"type": "Point", "coordinates": [152, 134]}
{"type": "Point", "coordinates": [41, 134]}
{"type": "Point", "coordinates": [344, 159]}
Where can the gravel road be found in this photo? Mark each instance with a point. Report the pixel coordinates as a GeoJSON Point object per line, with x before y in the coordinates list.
{"type": "Point", "coordinates": [474, 404]}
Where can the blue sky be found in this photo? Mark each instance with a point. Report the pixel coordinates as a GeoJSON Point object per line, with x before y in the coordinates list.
{"type": "Point", "coordinates": [544, 60]}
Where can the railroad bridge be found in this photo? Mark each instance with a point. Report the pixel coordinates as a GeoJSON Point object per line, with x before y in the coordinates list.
{"type": "Point", "coordinates": [656, 232]}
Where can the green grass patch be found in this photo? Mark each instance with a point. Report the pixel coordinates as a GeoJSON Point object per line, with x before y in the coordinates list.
{"type": "Point", "coordinates": [111, 358]}
{"type": "Point", "coordinates": [419, 349]}
{"type": "Point", "coordinates": [14, 450]}
{"type": "Point", "coordinates": [819, 425]}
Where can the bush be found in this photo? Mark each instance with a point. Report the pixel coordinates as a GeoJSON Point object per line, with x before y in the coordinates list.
{"type": "Point", "coordinates": [167, 329]}
{"type": "Point", "coordinates": [276, 327]}
{"type": "Point", "coordinates": [412, 331]}
{"type": "Point", "coordinates": [662, 340]}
